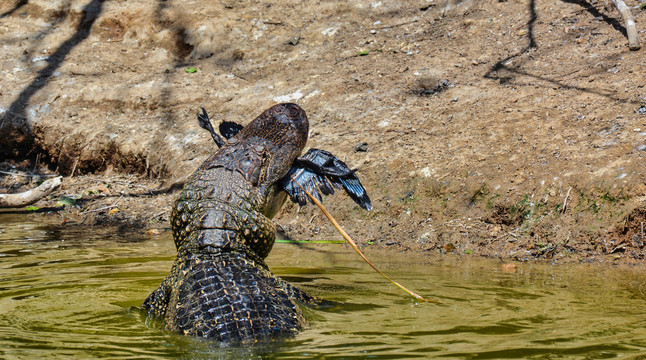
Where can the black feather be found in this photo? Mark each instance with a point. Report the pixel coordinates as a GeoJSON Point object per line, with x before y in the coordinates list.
{"type": "Point", "coordinates": [229, 129]}
{"type": "Point", "coordinates": [320, 172]}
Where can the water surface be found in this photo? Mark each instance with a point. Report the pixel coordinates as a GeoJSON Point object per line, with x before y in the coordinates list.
{"type": "Point", "coordinates": [68, 293]}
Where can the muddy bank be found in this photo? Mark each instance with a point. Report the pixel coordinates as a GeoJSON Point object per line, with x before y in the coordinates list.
{"type": "Point", "coordinates": [472, 142]}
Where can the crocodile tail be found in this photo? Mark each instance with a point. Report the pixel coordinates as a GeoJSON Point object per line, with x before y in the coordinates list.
{"type": "Point", "coordinates": [232, 299]}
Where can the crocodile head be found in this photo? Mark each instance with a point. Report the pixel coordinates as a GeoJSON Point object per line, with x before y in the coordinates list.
{"type": "Point", "coordinates": [279, 134]}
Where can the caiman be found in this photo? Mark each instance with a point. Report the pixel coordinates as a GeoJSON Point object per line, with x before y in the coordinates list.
{"type": "Point", "coordinates": [219, 285]}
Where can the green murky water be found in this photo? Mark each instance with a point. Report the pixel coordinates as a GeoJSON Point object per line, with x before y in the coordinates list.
{"type": "Point", "coordinates": [67, 294]}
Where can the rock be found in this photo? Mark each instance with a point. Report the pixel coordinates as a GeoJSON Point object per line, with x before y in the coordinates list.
{"type": "Point", "coordinates": [361, 147]}
{"type": "Point", "coordinates": [293, 41]}
{"type": "Point", "coordinates": [430, 86]}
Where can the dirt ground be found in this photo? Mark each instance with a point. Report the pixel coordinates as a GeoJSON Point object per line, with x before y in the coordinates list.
{"type": "Point", "coordinates": [511, 129]}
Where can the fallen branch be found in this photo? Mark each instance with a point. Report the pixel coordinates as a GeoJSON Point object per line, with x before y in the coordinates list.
{"type": "Point", "coordinates": [355, 247]}
{"type": "Point", "coordinates": [631, 28]}
{"type": "Point", "coordinates": [29, 196]}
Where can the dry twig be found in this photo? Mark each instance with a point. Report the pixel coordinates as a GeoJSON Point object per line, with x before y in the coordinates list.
{"type": "Point", "coordinates": [99, 209]}
{"type": "Point", "coordinates": [565, 200]}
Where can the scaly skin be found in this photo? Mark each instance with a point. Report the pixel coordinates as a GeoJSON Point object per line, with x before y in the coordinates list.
{"type": "Point", "coordinates": [219, 286]}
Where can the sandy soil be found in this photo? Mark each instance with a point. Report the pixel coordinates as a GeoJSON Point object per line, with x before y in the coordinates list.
{"type": "Point", "coordinates": [474, 142]}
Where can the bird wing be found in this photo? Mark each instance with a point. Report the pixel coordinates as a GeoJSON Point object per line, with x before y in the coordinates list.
{"type": "Point", "coordinates": [319, 172]}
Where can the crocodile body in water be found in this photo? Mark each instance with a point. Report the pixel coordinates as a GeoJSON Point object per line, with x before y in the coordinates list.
{"type": "Point", "coordinates": [219, 285]}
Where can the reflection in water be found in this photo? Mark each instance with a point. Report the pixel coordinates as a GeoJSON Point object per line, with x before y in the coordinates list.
{"type": "Point", "coordinates": [69, 294]}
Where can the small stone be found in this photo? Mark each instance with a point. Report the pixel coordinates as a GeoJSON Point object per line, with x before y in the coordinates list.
{"type": "Point", "coordinates": [431, 85]}
{"type": "Point", "coordinates": [294, 40]}
{"type": "Point", "coordinates": [641, 147]}
{"type": "Point", "coordinates": [361, 147]}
